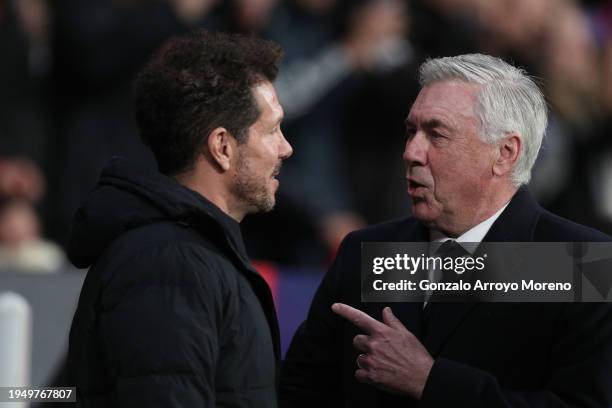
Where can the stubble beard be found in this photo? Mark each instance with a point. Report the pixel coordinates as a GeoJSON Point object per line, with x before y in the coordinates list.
{"type": "Point", "coordinates": [252, 191]}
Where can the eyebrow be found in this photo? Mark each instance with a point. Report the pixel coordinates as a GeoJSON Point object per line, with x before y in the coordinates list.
{"type": "Point", "coordinates": [278, 122]}
{"type": "Point", "coordinates": [280, 119]}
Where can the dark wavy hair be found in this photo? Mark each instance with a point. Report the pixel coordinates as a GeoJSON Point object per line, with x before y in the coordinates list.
{"type": "Point", "coordinates": [196, 83]}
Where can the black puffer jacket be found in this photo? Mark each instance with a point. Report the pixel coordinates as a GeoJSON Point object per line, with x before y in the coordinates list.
{"type": "Point", "coordinates": [171, 313]}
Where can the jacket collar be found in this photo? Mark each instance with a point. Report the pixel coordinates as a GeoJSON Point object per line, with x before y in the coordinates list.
{"type": "Point", "coordinates": [229, 227]}
{"type": "Point", "coordinates": [129, 196]}
{"type": "Point", "coordinates": [518, 221]}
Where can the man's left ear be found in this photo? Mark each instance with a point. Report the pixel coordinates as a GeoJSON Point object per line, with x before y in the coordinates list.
{"type": "Point", "coordinates": [508, 154]}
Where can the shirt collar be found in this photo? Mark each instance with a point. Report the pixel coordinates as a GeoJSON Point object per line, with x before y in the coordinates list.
{"type": "Point", "coordinates": [473, 235]}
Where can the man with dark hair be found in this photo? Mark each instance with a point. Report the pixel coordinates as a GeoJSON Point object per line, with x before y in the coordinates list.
{"type": "Point", "coordinates": [171, 312]}
{"type": "Point", "coordinates": [473, 135]}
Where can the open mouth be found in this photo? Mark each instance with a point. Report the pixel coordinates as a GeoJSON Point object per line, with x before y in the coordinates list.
{"type": "Point", "coordinates": [414, 184]}
{"type": "Point", "coordinates": [276, 171]}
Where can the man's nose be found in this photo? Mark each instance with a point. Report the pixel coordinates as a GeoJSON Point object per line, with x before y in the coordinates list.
{"type": "Point", "coordinates": [285, 150]}
{"type": "Point", "coordinates": [416, 149]}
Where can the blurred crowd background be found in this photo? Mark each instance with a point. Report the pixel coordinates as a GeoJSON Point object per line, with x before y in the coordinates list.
{"type": "Point", "coordinates": [348, 80]}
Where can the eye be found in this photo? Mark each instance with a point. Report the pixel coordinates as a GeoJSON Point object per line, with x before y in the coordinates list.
{"type": "Point", "coordinates": [410, 132]}
{"type": "Point", "coordinates": [436, 135]}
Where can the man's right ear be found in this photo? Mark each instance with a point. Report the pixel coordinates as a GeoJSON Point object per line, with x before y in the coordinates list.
{"type": "Point", "coordinates": [221, 147]}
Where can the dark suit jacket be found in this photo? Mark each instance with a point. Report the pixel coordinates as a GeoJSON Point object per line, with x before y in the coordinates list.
{"type": "Point", "coordinates": [486, 354]}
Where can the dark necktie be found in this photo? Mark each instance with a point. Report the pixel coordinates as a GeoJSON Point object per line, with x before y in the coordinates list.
{"type": "Point", "coordinates": [448, 249]}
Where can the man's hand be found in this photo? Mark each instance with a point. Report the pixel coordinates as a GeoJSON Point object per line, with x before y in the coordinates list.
{"type": "Point", "coordinates": [392, 358]}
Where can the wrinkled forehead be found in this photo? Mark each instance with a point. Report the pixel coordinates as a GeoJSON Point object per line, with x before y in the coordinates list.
{"type": "Point", "coordinates": [445, 99]}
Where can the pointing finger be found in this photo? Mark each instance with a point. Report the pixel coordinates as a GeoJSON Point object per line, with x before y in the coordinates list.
{"type": "Point", "coordinates": [357, 317]}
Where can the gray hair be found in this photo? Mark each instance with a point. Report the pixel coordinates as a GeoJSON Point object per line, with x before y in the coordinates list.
{"type": "Point", "coordinates": [508, 101]}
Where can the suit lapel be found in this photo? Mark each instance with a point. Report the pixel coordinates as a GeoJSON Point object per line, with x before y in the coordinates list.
{"type": "Point", "coordinates": [442, 320]}
{"type": "Point", "coordinates": [516, 224]}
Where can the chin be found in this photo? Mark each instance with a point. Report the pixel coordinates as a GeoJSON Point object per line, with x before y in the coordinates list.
{"type": "Point", "coordinates": [269, 206]}
{"type": "Point", "coordinates": [422, 212]}
{"type": "Point", "coordinates": [265, 204]}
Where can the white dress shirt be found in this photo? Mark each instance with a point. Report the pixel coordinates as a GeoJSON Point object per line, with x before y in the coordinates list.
{"type": "Point", "coordinates": [474, 234]}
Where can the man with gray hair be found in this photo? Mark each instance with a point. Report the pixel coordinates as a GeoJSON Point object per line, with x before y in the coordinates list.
{"type": "Point", "coordinates": [473, 135]}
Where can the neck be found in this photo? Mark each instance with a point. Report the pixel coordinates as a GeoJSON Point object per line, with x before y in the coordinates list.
{"type": "Point", "coordinates": [489, 205]}
{"type": "Point", "coordinates": [213, 188]}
